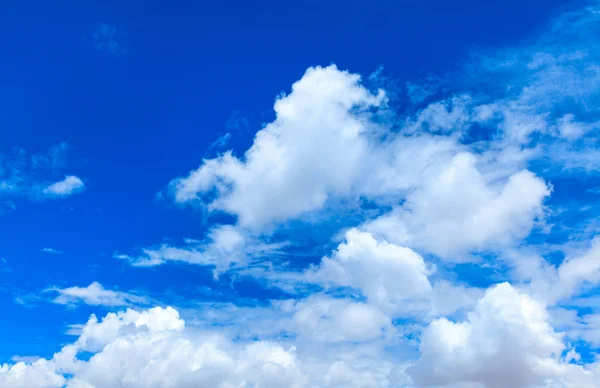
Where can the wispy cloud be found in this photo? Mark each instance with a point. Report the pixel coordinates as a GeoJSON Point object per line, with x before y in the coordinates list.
{"type": "Point", "coordinates": [226, 246]}
{"type": "Point", "coordinates": [51, 251]}
{"type": "Point", "coordinates": [96, 295]}
{"type": "Point", "coordinates": [221, 141]}
{"type": "Point", "coordinates": [25, 175]}
{"type": "Point", "coordinates": [110, 40]}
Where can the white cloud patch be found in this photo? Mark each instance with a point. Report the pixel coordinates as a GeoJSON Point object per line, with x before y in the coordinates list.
{"type": "Point", "coordinates": [388, 275]}
{"type": "Point", "coordinates": [25, 175]}
{"type": "Point", "coordinates": [335, 320]}
{"type": "Point", "coordinates": [296, 173]}
{"type": "Point", "coordinates": [96, 295]}
{"type": "Point", "coordinates": [68, 186]}
{"type": "Point", "coordinates": [479, 200]}
{"type": "Point", "coordinates": [226, 246]}
{"type": "Point", "coordinates": [460, 210]}
{"type": "Point", "coordinates": [142, 349]}
{"type": "Point", "coordinates": [505, 341]}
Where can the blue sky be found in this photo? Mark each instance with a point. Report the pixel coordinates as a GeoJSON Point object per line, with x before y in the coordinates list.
{"type": "Point", "coordinates": [326, 193]}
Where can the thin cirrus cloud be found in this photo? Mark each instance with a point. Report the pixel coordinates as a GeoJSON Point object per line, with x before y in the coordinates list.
{"type": "Point", "coordinates": [51, 251]}
{"type": "Point", "coordinates": [109, 39]}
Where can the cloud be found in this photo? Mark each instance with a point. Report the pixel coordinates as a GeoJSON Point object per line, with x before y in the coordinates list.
{"type": "Point", "coordinates": [25, 175]}
{"type": "Point", "coordinates": [327, 319]}
{"type": "Point", "coordinates": [110, 40]}
{"type": "Point", "coordinates": [459, 210]}
{"type": "Point", "coordinates": [221, 141]}
{"type": "Point", "coordinates": [225, 246]}
{"type": "Point", "coordinates": [156, 346]}
{"type": "Point", "coordinates": [506, 341]}
{"type": "Point", "coordinates": [296, 174]}
{"type": "Point", "coordinates": [51, 251]}
{"type": "Point", "coordinates": [68, 186]}
{"type": "Point", "coordinates": [96, 295]}
{"type": "Point", "coordinates": [443, 184]}
{"type": "Point", "coordinates": [387, 274]}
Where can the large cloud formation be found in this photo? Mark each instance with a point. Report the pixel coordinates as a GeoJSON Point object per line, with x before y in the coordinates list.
{"type": "Point", "coordinates": [455, 184]}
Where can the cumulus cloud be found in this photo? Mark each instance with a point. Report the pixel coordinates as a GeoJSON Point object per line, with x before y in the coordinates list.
{"type": "Point", "coordinates": [314, 149]}
{"type": "Point", "coordinates": [334, 320]}
{"type": "Point", "coordinates": [446, 185]}
{"type": "Point", "coordinates": [462, 176]}
{"type": "Point", "coordinates": [393, 278]}
{"type": "Point", "coordinates": [506, 341]}
{"type": "Point", "coordinates": [141, 349]}
{"type": "Point", "coordinates": [388, 275]}
{"type": "Point", "coordinates": [461, 210]}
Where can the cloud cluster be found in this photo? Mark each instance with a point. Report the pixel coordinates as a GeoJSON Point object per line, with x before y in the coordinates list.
{"type": "Point", "coordinates": [154, 348]}
{"type": "Point", "coordinates": [461, 180]}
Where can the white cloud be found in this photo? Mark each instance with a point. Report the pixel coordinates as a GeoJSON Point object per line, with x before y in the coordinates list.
{"type": "Point", "coordinates": [154, 347]}
{"type": "Point", "coordinates": [325, 319]}
{"type": "Point", "coordinates": [578, 270]}
{"type": "Point", "coordinates": [52, 251]}
{"type": "Point", "coordinates": [387, 274]}
{"type": "Point", "coordinates": [442, 116]}
{"type": "Point", "coordinates": [40, 374]}
{"type": "Point", "coordinates": [226, 245]}
{"type": "Point", "coordinates": [505, 341]}
{"type": "Point", "coordinates": [96, 295]}
{"type": "Point", "coordinates": [578, 273]}
{"type": "Point", "coordinates": [314, 149]}
{"type": "Point", "coordinates": [68, 186]}
{"type": "Point", "coordinates": [460, 210]}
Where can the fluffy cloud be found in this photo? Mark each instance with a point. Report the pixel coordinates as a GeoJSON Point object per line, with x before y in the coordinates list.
{"type": "Point", "coordinates": [334, 320]}
{"type": "Point", "coordinates": [96, 295]}
{"type": "Point", "coordinates": [447, 186]}
{"type": "Point", "coordinates": [460, 210]}
{"type": "Point", "coordinates": [154, 348]}
{"type": "Point", "coordinates": [455, 178]}
{"type": "Point", "coordinates": [68, 186]}
{"type": "Point", "coordinates": [315, 148]}
{"type": "Point", "coordinates": [387, 274]}
{"type": "Point", "coordinates": [506, 341]}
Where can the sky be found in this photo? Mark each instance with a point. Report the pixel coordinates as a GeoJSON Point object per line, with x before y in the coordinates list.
{"type": "Point", "coordinates": [300, 194]}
